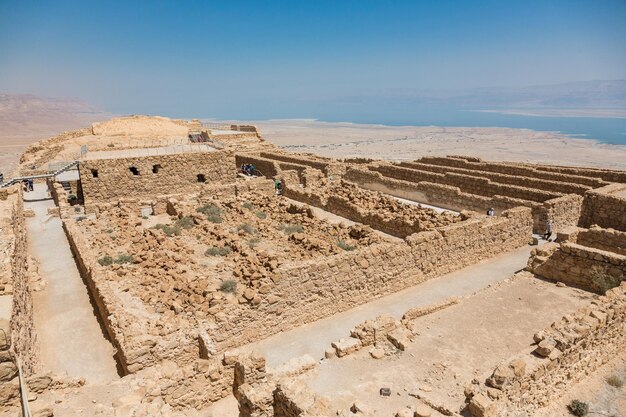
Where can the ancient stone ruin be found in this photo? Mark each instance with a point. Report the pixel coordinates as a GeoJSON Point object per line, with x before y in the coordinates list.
{"type": "Point", "coordinates": [194, 266]}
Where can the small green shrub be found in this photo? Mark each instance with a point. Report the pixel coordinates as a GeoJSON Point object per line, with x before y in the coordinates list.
{"type": "Point", "coordinates": [343, 245]}
{"type": "Point", "coordinates": [261, 215]}
{"type": "Point", "coordinates": [185, 223]}
{"type": "Point", "coordinates": [290, 229]}
{"type": "Point", "coordinates": [218, 251]}
{"type": "Point", "coordinates": [81, 218]}
{"type": "Point", "coordinates": [229, 286]}
{"type": "Point", "coordinates": [71, 197]}
{"type": "Point", "coordinates": [77, 209]}
{"type": "Point", "coordinates": [105, 261]}
{"type": "Point", "coordinates": [169, 230]}
{"type": "Point", "coordinates": [212, 212]}
{"type": "Point", "coordinates": [248, 205]}
{"type": "Point", "coordinates": [110, 230]}
{"type": "Point", "coordinates": [123, 259]}
{"type": "Point", "coordinates": [254, 242]}
{"type": "Point", "coordinates": [615, 381]}
{"type": "Point", "coordinates": [144, 217]}
{"type": "Point", "coordinates": [602, 279]}
{"type": "Point", "coordinates": [578, 408]}
{"type": "Point", "coordinates": [247, 228]}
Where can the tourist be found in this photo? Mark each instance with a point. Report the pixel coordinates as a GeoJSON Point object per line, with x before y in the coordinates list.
{"type": "Point", "coordinates": [1, 178]}
{"type": "Point", "coordinates": [31, 185]}
{"type": "Point", "coordinates": [278, 186]}
{"type": "Point", "coordinates": [251, 169]}
{"type": "Point", "coordinates": [25, 185]}
{"type": "Point", "coordinates": [243, 169]}
{"type": "Point", "coordinates": [490, 212]}
{"type": "Point", "coordinates": [548, 230]}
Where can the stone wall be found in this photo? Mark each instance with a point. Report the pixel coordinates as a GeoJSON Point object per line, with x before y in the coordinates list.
{"type": "Point", "coordinates": [18, 338]}
{"type": "Point", "coordinates": [563, 211]}
{"type": "Point", "coordinates": [467, 183]}
{"type": "Point", "coordinates": [176, 173]}
{"type": "Point", "coordinates": [539, 183]}
{"type": "Point", "coordinates": [605, 207]}
{"type": "Point", "coordinates": [319, 288]}
{"type": "Point", "coordinates": [566, 352]}
{"type": "Point", "coordinates": [577, 265]}
{"type": "Point", "coordinates": [603, 239]}
{"type": "Point", "coordinates": [575, 175]}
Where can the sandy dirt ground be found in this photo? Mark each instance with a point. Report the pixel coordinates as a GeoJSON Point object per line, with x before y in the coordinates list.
{"type": "Point", "coordinates": [454, 346]}
{"type": "Point", "coordinates": [342, 140]}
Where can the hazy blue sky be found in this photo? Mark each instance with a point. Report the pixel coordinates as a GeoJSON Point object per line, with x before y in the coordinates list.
{"type": "Point", "coordinates": [287, 58]}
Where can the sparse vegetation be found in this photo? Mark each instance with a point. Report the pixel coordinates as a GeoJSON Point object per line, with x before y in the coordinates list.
{"type": "Point", "coordinates": [144, 217]}
{"type": "Point", "coordinates": [110, 230]}
{"type": "Point", "coordinates": [228, 286]}
{"type": "Point", "coordinates": [261, 215]}
{"type": "Point", "coordinates": [290, 229]}
{"type": "Point", "coordinates": [212, 212]}
{"type": "Point", "coordinates": [123, 259]}
{"type": "Point", "coordinates": [218, 251]}
{"type": "Point", "coordinates": [71, 198]}
{"type": "Point", "coordinates": [578, 408]}
{"type": "Point", "coordinates": [81, 218]}
{"type": "Point", "coordinates": [602, 279]}
{"type": "Point", "coordinates": [169, 230]}
{"type": "Point", "coordinates": [77, 209]}
{"type": "Point", "coordinates": [615, 381]}
{"type": "Point", "coordinates": [345, 246]}
{"type": "Point", "coordinates": [185, 223]}
{"type": "Point", "coordinates": [254, 242]}
{"type": "Point", "coordinates": [105, 261]}
{"type": "Point", "coordinates": [248, 205]}
{"type": "Point", "coordinates": [247, 228]}
{"type": "Point", "coordinates": [110, 145]}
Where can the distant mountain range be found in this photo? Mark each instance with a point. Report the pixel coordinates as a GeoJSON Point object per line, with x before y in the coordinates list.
{"type": "Point", "coordinates": [29, 116]}
{"type": "Point", "coordinates": [574, 95]}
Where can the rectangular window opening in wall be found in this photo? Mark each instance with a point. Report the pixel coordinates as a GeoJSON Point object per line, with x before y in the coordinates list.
{"type": "Point", "coordinates": [134, 170]}
{"type": "Point", "coordinates": [94, 173]}
{"type": "Point", "coordinates": [156, 168]}
{"type": "Point", "coordinates": [201, 178]}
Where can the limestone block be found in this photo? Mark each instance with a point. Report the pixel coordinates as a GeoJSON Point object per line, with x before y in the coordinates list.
{"type": "Point", "coordinates": [545, 347]}
{"type": "Point", "coordinates": [481, 406]}
{"type": "Point", "coordinates": [400, 338]}
{"type": "Point", "coordinates": [345, 346]}
{"type": "Point", "coordinates": [422, 410]}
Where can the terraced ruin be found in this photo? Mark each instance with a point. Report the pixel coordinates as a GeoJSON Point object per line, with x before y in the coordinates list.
{"type": "Point", "coordinates": [314, 286]}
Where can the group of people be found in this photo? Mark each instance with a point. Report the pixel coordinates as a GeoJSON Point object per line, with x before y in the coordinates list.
{"type": "Point", "coordinates": [247, 169]}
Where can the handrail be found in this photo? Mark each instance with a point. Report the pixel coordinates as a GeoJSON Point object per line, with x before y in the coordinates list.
{"type": "Point", "coordinates": [38, 176]}
{"type": "Point", "coordinates": [23, 393]}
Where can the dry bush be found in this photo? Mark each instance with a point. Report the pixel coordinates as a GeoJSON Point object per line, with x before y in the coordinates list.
{"type": "Point", "coordinates": [578, 408]}
{"type": "Point", "coordinates": [212, 212]}
{"type": "Point", "coordinates": [218, 251]}
{"type": "Point", "coordinates": [602, 279]}
{"type": "Point", "coordinates": [228, 286]}
{"type": "Point", "coordinates": [345, 246]}
{"type": "Point", "coordinates": [615, 381]}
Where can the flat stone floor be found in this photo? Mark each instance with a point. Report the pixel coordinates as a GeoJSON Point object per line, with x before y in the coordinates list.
{"type": "Point", "coordinates": [69, 336]}
{"type": "Point", "coordinates": [142, 152]}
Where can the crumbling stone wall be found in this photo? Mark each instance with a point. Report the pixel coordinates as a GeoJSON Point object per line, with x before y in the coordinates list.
{"type": "Point", "coordinates": [528, 181]}
{"type": "Point", "coordinates": [17, 338]}
{"type": "Point", "coordinates": [571, 175]}
{"type": "Point", "coordinates": [562, 211]}
{"type": "Point", "coordinates": [175, 174]}
{"type": "Point", "coordinates": [604, 239]}
{"type": "Point", "coordinates": [567, 351]}
{"type": "Point", "coordinates": [605, 207]}
{"type": "Point", "coordinates": [378, 211]}
{"type": "Point", "coordinates": [577, 265]}
{"type": "Point", "coordinates": [321, 287]}
{"type": "Point", "coordinates": [467, 183]}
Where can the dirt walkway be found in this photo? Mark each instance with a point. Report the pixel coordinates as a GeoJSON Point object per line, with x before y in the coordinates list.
{"type": "Point", "coordinates": [70, 338]}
